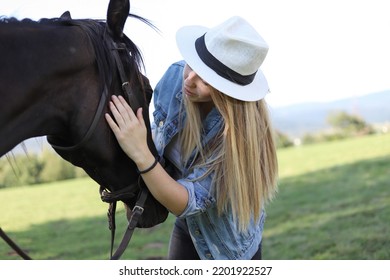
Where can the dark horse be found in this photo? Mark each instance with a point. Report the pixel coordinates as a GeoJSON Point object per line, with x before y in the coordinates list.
{"type": "Point", "coordinates": [56, 76]}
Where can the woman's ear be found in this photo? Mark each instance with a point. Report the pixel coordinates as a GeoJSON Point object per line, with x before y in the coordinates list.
{"type": "Point", "coordinates": [117, 13]}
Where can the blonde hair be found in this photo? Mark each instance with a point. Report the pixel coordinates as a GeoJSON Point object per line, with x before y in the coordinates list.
{"type": "Point", "coordinates": [242, 156]}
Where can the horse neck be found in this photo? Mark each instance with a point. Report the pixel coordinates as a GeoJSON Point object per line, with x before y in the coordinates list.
{"type": "Point", "coordinates": [42, 70]}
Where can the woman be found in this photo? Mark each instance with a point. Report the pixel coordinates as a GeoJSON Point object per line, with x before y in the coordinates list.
{"type": "Point", "coordinates": [211, 124]}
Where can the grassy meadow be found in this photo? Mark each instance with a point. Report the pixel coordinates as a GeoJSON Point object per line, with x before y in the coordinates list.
{"type": "Point", "coordinates": [333, 203]}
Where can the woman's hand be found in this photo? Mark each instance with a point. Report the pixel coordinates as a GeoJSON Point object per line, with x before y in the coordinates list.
{"type": "Point", "coordinates": [129, 129]}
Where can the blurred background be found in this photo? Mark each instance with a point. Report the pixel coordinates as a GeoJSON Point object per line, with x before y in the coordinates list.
{"type": "Point", "coordinates": [328, 68]}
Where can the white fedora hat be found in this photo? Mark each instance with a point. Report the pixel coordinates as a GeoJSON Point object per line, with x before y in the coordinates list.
{"type": "Point", "coordinates": [228, 57]}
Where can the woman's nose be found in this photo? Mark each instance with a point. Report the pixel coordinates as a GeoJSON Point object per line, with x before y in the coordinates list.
{"type": "Point", "coordinates": [190, 79]}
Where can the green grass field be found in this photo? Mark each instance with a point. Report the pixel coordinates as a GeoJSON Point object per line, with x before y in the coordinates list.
{"type": "Point", "coordinates": [333, 203]}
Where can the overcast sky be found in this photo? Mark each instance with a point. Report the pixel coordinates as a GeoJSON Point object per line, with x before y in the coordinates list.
{"type": "Point", "coordinates": [319, 50]}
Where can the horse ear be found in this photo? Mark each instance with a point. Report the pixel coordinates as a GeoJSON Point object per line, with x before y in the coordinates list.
{"type": "Point", "coordinates": [66, 16]}
{"type": "Point", "coordinates": [117, 13]}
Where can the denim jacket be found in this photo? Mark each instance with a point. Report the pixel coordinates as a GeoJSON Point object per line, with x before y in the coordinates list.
{"type": "Point", "coordinates": [214, 236]}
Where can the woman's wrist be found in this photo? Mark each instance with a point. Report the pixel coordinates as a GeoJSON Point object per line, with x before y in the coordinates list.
{"type": "Point", "coordinates": [145, 162]}
{"type": "Point", "coordinates": [150, 168]}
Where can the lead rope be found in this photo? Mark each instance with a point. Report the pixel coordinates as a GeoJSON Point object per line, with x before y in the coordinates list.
{"type": "Point", "coordinates": [13, 245]}
{"type": "Point", "coordinates": [112, 199]}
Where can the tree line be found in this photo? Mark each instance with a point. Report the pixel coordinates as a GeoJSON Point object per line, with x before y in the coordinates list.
{"type": "Point", "coordinates": [343, 125]}
{"type": "Point", "coordinates": [31, 169]}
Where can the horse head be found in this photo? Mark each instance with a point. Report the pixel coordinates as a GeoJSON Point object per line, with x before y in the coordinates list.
{"type": "Point", "coordinates": [89, 142]}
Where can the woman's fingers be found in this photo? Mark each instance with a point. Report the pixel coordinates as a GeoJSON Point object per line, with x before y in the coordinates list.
{"type": "Point", "coordinates": [112, 124]}
{"type": "Point", "coordinates": [123, 114]}
{"type": "Point", "coordinates": [121, 111]}
{"type": "Point", "coordinates": [140, 117]}
{"type": "Point", "coordinates": [129, 128]}
{"type": "Point", "coordinates": [124, 108]}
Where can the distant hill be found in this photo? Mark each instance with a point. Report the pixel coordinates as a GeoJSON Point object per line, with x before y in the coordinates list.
{"type": "Point", "coordinates": [296, 120]}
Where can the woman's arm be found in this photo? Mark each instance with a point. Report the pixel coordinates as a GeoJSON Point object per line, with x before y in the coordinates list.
{"type": "Point", "coordinates": [130, 131]}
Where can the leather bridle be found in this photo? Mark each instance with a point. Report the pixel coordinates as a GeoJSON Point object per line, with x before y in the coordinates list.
{"type": "Point", "coordinates": [111, 197]}
{"type": "Point", "coordinates": [125, 193]}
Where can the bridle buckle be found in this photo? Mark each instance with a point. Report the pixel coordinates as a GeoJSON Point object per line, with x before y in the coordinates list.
{"type": "Point", "coordinates": [138, 209]}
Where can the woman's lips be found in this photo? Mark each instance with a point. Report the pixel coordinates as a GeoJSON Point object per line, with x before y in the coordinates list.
{"type": "Point", "coordinates": [188, 92]}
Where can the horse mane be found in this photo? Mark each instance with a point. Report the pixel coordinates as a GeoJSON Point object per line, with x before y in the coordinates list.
{"type": "Point", "coordinates": [99, 36]}
{"type": "Point", "coordinates": [97, 31]}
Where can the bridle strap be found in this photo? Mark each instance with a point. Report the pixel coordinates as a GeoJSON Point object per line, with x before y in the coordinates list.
{"type": "Point", "coordinates": [139, 205]}
{"type": "Point", "coordinates": [92, 127]}
{"type": "Point", "coordinates": [133, 221]}
{"type": "Point", "coordinates": [111, 223]}
{"type": "Point", "coordinates": [112, 198]}
{"type": "Point", "coordinates": [131, 98]}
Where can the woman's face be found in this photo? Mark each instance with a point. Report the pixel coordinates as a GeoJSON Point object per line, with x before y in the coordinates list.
{"type": "Point", "coordinates": [195, 89]}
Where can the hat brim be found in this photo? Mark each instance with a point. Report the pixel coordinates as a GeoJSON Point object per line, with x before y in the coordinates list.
{"type": "Point", "coordinates": [185, 40]}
